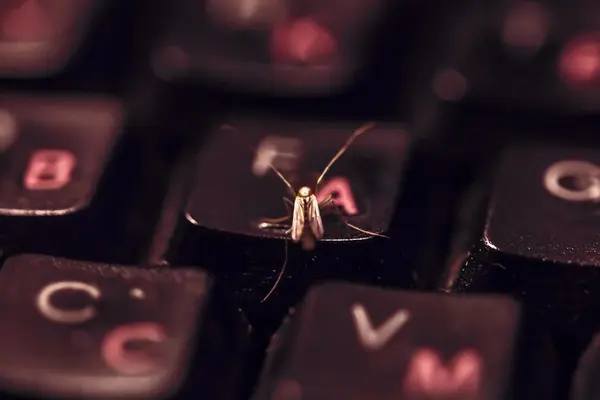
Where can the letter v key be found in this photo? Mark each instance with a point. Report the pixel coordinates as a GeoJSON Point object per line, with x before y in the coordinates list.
{"type": "Point", "coordinates": [375, 339]}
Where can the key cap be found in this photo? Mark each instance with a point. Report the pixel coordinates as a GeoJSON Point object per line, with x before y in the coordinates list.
{"type": "Point", "coordinates": [55, 152]}
{"type": "Point", "coordinates": [539, 240]}
{"type": "Point", "coordinates": [585, 379]}
{"type": "Point", "coordinates": [541, 54]}
{"type": "Point", "coordinates": [352, 342]}
{"type": "Point", "coordinates": [280, 46]}
{"type": "Point", "coordinates": [37, 38]}
{"type": "Point", "coordinates": [57, 160]}
{"type": "Point", "coordinates": [549, 226]}
{"type": "Point", "coordinates": [452, 50]}
{"type": "Point", "coordinates": [233, 190]}
{"type": "Point", "coordinates": [73, 329]}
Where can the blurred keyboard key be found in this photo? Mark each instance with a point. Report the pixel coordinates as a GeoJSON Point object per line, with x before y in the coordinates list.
{"type": "Point", "coordinates": [74, 329]}
{"type": "Point", "coordinates": [355, 342]}
{"type": "Point", "coordinates": [451, 48]}
{"type": "Point", "coordinates": [585, 379]}
{"type": "Point", "coordinates": [534, 54]}
{"type": "Point", "coordinates": [61, 173]}
{"type": "Point", "coordinates": [38, 37]}
{"type": "Point", "coordinates": [56, 151]}
{"type": "Point", "coordinates": [286, 46]}
{"type": "Point", "coordinates": [542, 54]}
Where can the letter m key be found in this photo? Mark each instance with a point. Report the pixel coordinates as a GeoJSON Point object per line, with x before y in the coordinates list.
{"type": "Point", "coordinates": [428, 377]}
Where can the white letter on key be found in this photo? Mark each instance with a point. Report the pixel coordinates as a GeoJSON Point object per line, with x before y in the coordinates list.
{"type": "Point", "coordinates": [374, 339]}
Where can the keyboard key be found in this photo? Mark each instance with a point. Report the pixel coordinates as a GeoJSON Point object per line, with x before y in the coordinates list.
{"type": "Point", "coordinates": [84, 330]}
{"type": "Point", "coordinates": [564, 184]}
{"type": "Point", "coordinates": [56, 151]}
{"type": "Point", "coordinates": [585, 379]}
{"type": "Point", "coordinates": [270, 45]}
{"type": "Point", "coordinates": [551, 221]}
{"type": "Point", "coordinates": [301, 153]}
{"type": "Point", "coordinates": [221, 226]}
{"type": "Point", "coordinates": [350, 341]}
{"type": "Point", "coordinates": [55, 163]}
{"type": "Point", "coordinates": [38, 37]}
{"type": "Point", "coordinates": [540, 54]}
{"type": "Point", "coordinates": [449, 61]}
{"type": "Point", "coordinates": [539, 241]}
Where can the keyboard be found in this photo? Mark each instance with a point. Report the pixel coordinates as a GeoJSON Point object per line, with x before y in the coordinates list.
{"type": "Point", "coordinates": [299, 200]}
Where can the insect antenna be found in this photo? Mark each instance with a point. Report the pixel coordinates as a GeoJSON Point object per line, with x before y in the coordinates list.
{"type": "Point", "coordinates": [280, 276]}
{"type": "Point", "coordinates": [287, 183]}
{"type": "Point", "coordinates": [364, 128]}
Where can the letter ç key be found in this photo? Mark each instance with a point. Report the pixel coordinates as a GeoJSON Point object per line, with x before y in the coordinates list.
{"type": "Point", "coordinates": [74, 329]}
{"type": "Point", "coordinates": [355, 342]}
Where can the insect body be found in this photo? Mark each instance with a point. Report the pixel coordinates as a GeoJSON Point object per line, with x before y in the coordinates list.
{"type": "Point", "coordinates": [307, 224]}
{"type": "Point", "coordinates": [306, 212]}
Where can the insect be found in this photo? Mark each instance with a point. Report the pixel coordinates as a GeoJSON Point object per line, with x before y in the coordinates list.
{"type": "Point", "coordinates": [307, 224]}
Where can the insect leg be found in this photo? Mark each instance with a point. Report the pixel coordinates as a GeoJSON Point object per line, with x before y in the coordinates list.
{"type": "Point", "coordinates": [364, 231]}
{"type": "Point", "coordinates": [267, 222]}
{"type": "Point", "coordinates": [327, 202]}
{"type": "Point", "coordinates": [274, 222]}
{"type": "Point", "coordinates": [280, 272]}
{"type": "Point", "coordinates": [348, 224]}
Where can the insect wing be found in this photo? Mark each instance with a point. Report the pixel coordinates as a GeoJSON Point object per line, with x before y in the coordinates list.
{"type": "Point", "coordinates": [298, 218]}
{"type": "Point", "coordinates": [314, 217]}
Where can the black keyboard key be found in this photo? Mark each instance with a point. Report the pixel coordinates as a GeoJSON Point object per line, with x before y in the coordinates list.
{"type": "Point", "coordinates": [233, 190]}
{"type": "Point", "coordinates": [528, 54]}
{"type": "Point", "coordinates": [564, 183]}
{"type": "Point", "coordinates": [300, 152]}
{"type": "Point", "coordinates": [270, 46]}
{"type": "Point", "coordinates": [539, 241]}
{"type": "Point", "coordinates": [540, 54]}
{"type": "Point", "coordinates": [38, 37]}
{"type": "Point", "coordinates": [585, 380]}
{"type": "Point", "coordinates": [349, 341]}
{"type": "Point", "coordinates": [53, 172]}
{"type": "Point", "coordinates": [539, 238]}
{"type": "Point", "coordinates": [58, 154]}
{"type": "Point", "coordinates": [449, 63]}
{"type": "Point", "coordinates": [83, 330]}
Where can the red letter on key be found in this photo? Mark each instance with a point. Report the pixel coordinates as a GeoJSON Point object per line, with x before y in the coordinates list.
{"type": "Point", "coordinates": [427, 376]}
{"type": "Point", "coordinates": [344, 198]}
